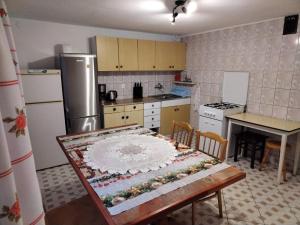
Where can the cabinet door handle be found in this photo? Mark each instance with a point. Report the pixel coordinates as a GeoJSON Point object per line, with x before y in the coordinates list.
{"type": "Point", "coordinates": [123, 117]}
{"type": "Point", "coordinates": [121, 66]}
{"type": "Point", "coordinates": [152, 118]}
{"type": "Point", "coordinates": [153, 67]}
{"type": "Point", "coordinates": [152, 112]}
{"type": "Point", "coordinates": [127, 117]}
{"type": "Point", "coordinates": [134, 107]}
{"type": "Point", "coordinates": [114, 109]}
{"type": "Point", "coordinates": [170, 66]}
{"type": "Point", "coordinates": [152, 105]}
{"type": "Point", "coordinates": [117, 66]}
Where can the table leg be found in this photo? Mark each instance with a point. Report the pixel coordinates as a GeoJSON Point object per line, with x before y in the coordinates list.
{"type": "Point", "coordinates": [297, 154]}
{"type": "Point", "coordinates": [281, 158]}
{"type": "Point", "coordinates": [228, 138]}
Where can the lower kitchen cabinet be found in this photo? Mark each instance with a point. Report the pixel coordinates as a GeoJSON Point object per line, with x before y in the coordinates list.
{"type": "Point", "coordinates": [135, 117]}
{"type": "Point", "coordinates": [114, 119]}
{"type": "Point", "coordinates": [121, 115]}
{"type": "Point", "coordinates": [168, 114]}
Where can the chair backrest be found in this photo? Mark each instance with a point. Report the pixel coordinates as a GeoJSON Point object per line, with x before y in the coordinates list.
{"type": "Point", "coordinates": [182, 132]}
{"type": "Point", "coordinates": [211, 144]}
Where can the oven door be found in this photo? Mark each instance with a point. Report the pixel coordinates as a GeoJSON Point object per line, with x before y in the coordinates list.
{"type": "Point", "coordinates": [212, 125]}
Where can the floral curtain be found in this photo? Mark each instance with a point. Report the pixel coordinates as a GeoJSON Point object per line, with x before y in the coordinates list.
{"type": "Point", "coordinates": [20, 198]}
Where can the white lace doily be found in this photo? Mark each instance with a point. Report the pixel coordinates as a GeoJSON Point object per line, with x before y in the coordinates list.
{"type": "Point", "coordinates": [131, 153]}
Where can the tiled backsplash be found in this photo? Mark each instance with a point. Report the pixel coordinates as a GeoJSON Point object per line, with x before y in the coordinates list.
{"type": "Point", "coordinates": [123, 82]}
{"type": "Point", "coordinates": [272, 59]}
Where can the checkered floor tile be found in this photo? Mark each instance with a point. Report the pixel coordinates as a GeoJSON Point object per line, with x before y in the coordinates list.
{"type": "Point", "coordinates": [255, 200]}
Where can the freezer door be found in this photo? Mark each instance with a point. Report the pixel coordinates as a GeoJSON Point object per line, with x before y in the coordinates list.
{"type": "Point", "coordinates": [79, 86]}
{"type": "Point", "coordinates": [79, 125]}
{"type": "Point", "coordinates": [42, 88]}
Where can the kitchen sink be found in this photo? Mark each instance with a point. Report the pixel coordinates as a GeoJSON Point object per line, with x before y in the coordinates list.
{"type": "Point", "coordinates": [165, 96]}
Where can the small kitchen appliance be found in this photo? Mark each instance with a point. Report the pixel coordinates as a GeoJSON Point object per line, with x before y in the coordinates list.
{"type": "Point", "coordinates": [102, 91]}
{"type": "Point", "coordinates": [111, 95]}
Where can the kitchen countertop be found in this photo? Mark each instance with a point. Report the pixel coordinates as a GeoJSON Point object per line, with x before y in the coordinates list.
{"type": "Point", "coordinates": [135, 101]}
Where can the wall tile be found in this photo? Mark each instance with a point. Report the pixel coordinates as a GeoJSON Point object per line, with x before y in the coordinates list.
{"type": "Point", "coordinates": [205, 88]}
{"type": "Point", "coordinates": [266, 110]}
{"type": "Point", "coordinates": [116, 81]}
{"type": "Point", "coordinates": [267, 96]}
{"type": "Point", "coordinates": [286, 61]}
{"type": "Point", "coordinates": [279, 112]}
{"type": "Point", "coordinates": [281, 97]}
{"type": "Point", "coordinates": [293, 114]}
{"type": "Point", "coordinates": [284, 79]}
{"type": "Point", "coordinates": [296, 82]}
{"type": "Point", "coordinates": [269, 79]}
{"type": "Point", "coordinates": [294, 99]}
{"type": "Point", "coordinates": [216, 90]}
{"type": "Point", "coordinates": [289, 42]}
{"type": "Point", "coordinates": [253, 108]}
{"type": "Point", "coordinates": [272, 59]}
{"type": "Point", "coordinates": [256, 78]}
{"type": "Point", "coordinates": [254, 94]}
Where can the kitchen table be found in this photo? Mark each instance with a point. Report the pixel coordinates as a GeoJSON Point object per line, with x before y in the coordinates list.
{"type": "Point", "coordinates": [280, 127]}
{"type": "Point", "coordinates": [177, 188]}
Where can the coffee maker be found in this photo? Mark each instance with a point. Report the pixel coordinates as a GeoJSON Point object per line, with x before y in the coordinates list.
{"type": "Point", "coordinates": [102, 91]}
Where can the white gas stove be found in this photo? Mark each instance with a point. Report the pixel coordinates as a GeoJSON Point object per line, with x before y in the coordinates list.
{"type": "Point", "coordinates": [213, 115]}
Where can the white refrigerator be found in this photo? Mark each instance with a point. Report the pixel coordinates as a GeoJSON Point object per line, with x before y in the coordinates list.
{"type": "Point", "coordinates": [45, 115]}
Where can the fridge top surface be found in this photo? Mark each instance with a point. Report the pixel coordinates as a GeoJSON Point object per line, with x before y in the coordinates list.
{"type": "Point", "coordinates": [77, 55]}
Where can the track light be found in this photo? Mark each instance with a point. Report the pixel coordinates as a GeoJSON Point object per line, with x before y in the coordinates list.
{"type": "Point", "coordinates": [185, 6]}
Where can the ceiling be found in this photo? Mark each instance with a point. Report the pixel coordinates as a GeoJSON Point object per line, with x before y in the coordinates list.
{"type": "Point", "coordinates": [150, 16]}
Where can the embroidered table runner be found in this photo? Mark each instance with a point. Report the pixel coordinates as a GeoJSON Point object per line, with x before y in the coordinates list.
{"type": "Point", "coordinates": [123, 191]}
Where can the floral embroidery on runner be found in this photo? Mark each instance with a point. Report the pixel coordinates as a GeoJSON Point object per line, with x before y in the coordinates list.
{"type": "Point", "coordinates": [152, 184]}
{"type": "Point", "coordinates": [20, 122]}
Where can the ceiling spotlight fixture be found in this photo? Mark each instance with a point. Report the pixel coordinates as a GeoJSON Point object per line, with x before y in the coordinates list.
{"type": "Point", "coordinates": [185, 6]}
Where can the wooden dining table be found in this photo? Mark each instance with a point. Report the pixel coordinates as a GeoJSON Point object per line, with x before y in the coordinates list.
{"type": "Point", "coordinates": [156, 208]}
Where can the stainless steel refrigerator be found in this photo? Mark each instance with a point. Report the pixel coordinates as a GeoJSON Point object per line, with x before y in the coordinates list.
{"type": "Point", "coordinates": [80, 91]}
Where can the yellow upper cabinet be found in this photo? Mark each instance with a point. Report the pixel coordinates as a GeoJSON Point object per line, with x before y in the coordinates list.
{"type": "Point", "coordinates": [146, 55]}
{"type": "Point", "coordinates": [107, 53]}
{"type": "Point", "coordinates": [128, 54]}
{"type": "Point", "coordinates": [164, 55]}
{"type": "Point", "coordinates": [170, 55]}
{"type": "Point", "coordinates": [180, 55]}
{"type": "Point", "coordinates": [121, 54]}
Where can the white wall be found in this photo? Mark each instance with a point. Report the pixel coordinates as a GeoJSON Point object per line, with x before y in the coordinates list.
{"type": "Point", "coordinates": [38, 42]}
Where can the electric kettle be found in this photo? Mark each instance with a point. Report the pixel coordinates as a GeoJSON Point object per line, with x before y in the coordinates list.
{"type": "Point", "coordinates": [111, 95]}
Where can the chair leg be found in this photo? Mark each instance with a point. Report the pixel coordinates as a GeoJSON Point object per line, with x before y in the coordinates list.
{"type": "Point", "coordinates": [265, 158]}
{"type": "Point", "coordinates": [219, 193]}
{"type": "Point", "coordinates": [193, 213]}
{"type": "Point", "coordinates": [252, 157]}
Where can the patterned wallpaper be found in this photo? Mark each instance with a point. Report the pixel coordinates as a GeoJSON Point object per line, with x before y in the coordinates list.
{"type": "Point", "coordinates": [123, 82]}
{"type": "Point", "coordinates": [272, 59]}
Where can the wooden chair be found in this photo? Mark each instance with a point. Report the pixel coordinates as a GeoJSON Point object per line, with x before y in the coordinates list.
{"type": "Point", "coordinates": [182, 132]}
{"type": "Point", "coordinates": [81, 211]}
{"type": "Point", "coordinates": [214, 145]}
{"type": "Point", "coordinates": [271, 146]}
